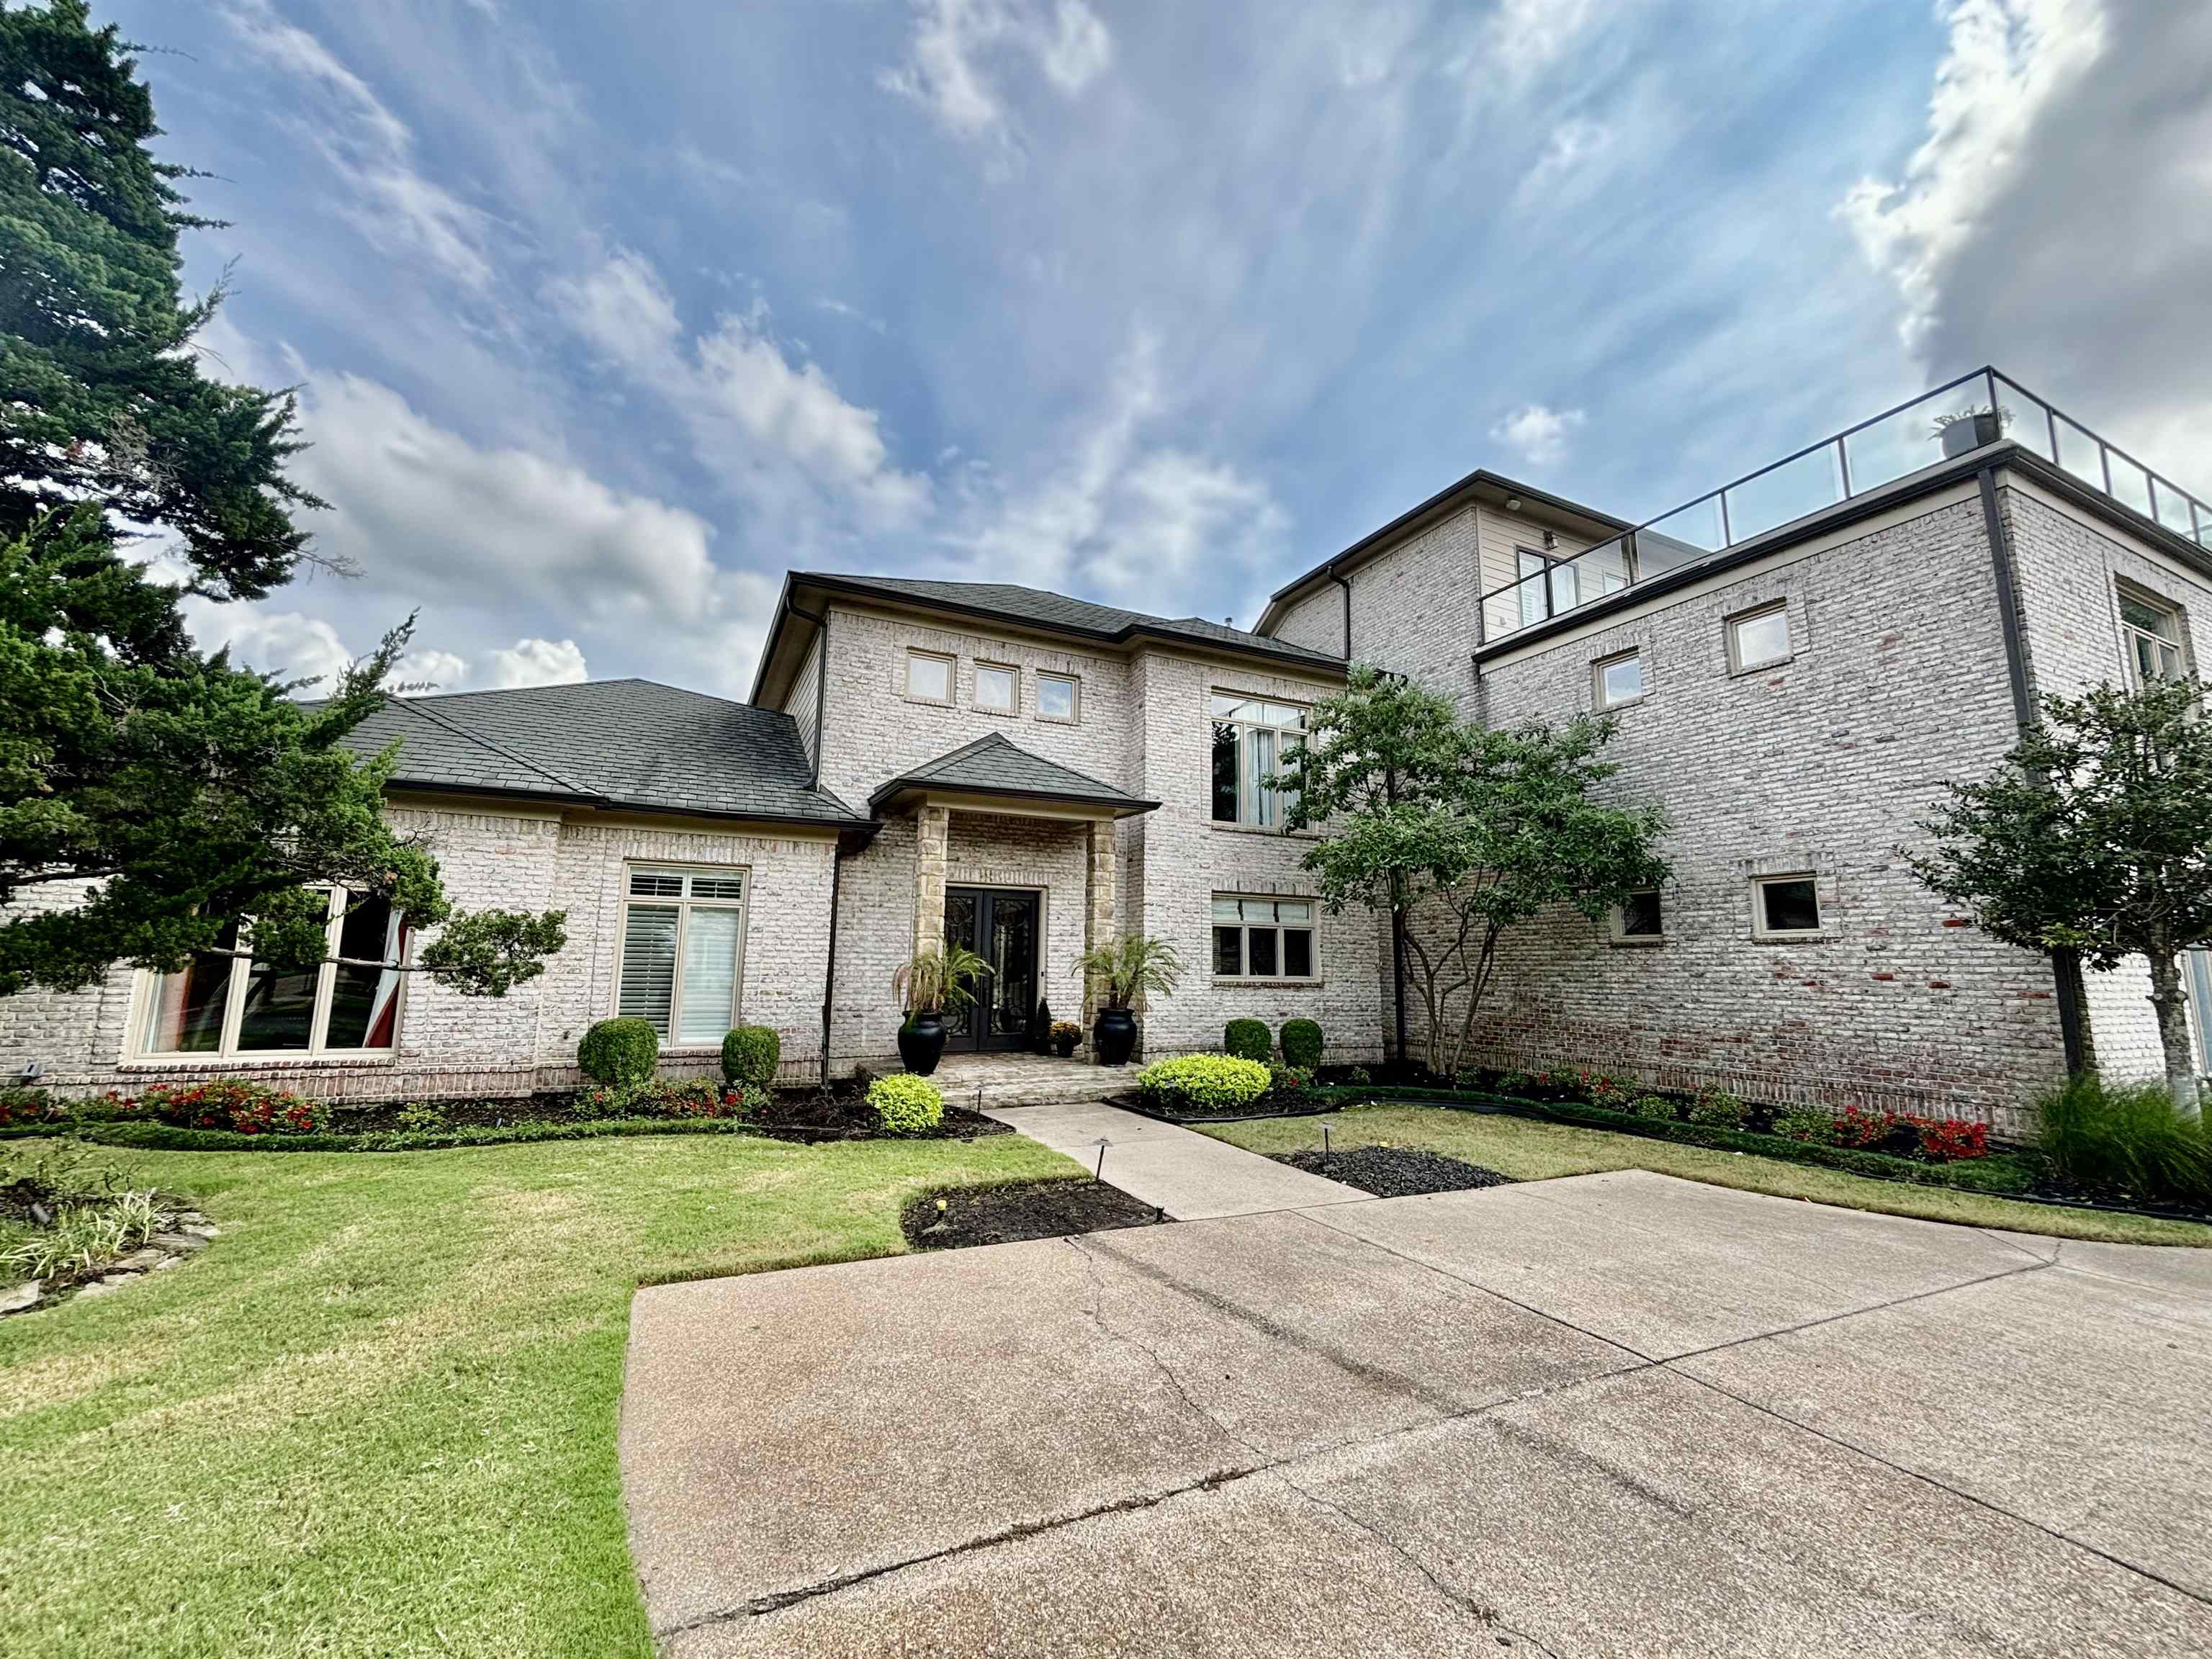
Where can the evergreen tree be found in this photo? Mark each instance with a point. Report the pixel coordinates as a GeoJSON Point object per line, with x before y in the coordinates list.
{"type": "Point", "coordinates": [149, 793]}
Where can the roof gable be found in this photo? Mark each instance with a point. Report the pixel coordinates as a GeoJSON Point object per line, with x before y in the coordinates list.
{"type": "Point", "coordinates": [995, 765]}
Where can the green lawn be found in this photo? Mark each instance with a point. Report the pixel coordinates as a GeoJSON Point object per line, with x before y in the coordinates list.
{"type": "Point", "coordinates": [1531, 1150]}
{"type": "Point", "coordinates": [378, 1415]}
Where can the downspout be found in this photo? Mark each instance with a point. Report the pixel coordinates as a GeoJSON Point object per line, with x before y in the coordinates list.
{"type": "Point", "coordinates": [830, 970]}
{"type": "Point", "coordinates": [1347, 587]}
{"type": "Point", "coordinates": [2065, 965]}
{"type": "Point", "coordinates": [821, 621]}
{"type": "Point", "coordinates": [1397, 916]}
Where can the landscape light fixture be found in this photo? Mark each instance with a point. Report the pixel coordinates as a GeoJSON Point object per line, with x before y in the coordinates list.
{"type": "Point", "coordinates": [1099, 1174]}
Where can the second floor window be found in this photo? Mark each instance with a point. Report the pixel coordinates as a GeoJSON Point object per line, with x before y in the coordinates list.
{"type": "Point", "coordinates": [1252, 738]}
{"type": "Point", "coordinates": [2152, 633]}
{"type": "Point", "coordinates": [683, 949]}
{"type": "Point", "coordinates": [996, 689]}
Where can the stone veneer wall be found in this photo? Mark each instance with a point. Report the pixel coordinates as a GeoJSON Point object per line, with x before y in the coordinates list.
{"type": "Point", "coordinates": [1824, 763]}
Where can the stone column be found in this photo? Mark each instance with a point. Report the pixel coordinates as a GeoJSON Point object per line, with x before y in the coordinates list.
{"type": "Point", "coordinates": [931, 838]}
{"type": "Point", "coordinates": [1098, 914]}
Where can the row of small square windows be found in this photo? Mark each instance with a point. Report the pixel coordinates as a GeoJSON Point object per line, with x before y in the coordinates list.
{"type": "Point", "coordinates": [998, 688]}
{"type": "Point", "coordinates": [1783, 907]}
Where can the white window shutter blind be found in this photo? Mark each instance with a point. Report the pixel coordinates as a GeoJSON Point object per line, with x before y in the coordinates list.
{"type": "Point", "coordinates": [710, 975]}
{"type": "Point", "coordinates": [649, 967]}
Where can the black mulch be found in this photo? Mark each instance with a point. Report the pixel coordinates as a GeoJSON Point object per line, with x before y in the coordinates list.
{"type": "Point", "coordinates": [1395, 1171]}
{"type": "Point", "coordinates": [842, 1115]}
{"type": "Point", "coordinates": [1034, 1209]}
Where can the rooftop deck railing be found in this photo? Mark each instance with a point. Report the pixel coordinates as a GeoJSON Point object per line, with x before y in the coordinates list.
{"type": "Point", "coordinates": [1959, 415]}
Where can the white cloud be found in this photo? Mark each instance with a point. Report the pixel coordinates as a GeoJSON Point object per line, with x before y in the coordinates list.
{"type": "Point", "coordinates": [1539, 436]}
{"type": "Point", "coordinates": [537, 662]}
{"type": "Point", "coordinates": [756, 418]}
{"type": "Point", "coordinates": [943, 70]}
{"type": "Point", "coordinates": [423, 673]}
{"type": "Point", "coordinates": [372, 149]}
{"type": "Point", "coordinates": [1522, 40]}
{"type": "Point", "coordinates": [287, 643]}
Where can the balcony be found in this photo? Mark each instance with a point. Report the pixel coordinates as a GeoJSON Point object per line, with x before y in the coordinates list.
{"type": "Point", "coordinates": [1974, 409]}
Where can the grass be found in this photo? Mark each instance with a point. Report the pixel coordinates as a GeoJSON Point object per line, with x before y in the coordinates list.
{"type": "Point", "coordinates": [378, 1414]}
{"type": "Point", "coordinates": [1531, 1150]}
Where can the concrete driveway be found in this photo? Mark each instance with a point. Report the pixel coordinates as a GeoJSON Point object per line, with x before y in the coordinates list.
{"type": "Point", "coordinates": [1615, 1414]}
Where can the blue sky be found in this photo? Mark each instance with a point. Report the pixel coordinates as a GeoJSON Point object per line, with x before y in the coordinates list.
{"type": "Point", "coordinates": [604, 315]}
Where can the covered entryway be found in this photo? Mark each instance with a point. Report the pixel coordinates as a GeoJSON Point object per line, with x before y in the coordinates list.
{"type": "Point", "coordinates": [1004, 926]}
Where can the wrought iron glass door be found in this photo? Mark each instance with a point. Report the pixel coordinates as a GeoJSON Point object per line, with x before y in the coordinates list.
{"type": "Point", "coordinates": [1000, 926]}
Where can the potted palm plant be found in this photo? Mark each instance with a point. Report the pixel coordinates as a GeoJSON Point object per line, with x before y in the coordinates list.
{"type": "Point", "coordinates": [932, 981]}
{"type": "Point", "coordinates": [1128, 972]}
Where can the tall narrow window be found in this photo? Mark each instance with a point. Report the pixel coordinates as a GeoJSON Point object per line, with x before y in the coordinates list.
{"type": "Point", "coordinates": [682, 953]}
{"type": "Point", "coordinates": [227, 1003]}
{"type": "Point", "coordinates": [1262, 937]}
{"type": "Point", "coordinates": [1253, 739]}
{"type": "Point", "coordinates": [1534, 589]}
{"type": "Point", "coordinates": [2152, 633]}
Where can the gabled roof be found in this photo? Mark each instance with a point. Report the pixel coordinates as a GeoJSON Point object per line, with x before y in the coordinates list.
{"type": "Point", "coordinates": [1032, 607]}
{"type": "Point", "coordinates": [609, 743]}
{"type": "Point", "coordinates": [995, 766]}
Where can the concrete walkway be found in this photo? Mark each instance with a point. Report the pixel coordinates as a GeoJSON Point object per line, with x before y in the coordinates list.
{"type": "Point", "coordinates": [1618, 1414]}
{"type": "Point", "coordinates": [1190, 1176]}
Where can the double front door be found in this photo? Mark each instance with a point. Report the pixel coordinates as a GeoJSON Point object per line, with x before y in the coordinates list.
{"type": "Point", "coordinates": [1000, 925]}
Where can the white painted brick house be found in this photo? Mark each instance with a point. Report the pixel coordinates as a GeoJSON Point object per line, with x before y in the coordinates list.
{"type": "Point", "coordinates": [1798, 665]}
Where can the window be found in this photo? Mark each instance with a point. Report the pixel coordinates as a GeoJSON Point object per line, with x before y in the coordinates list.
{"type": "Point", "coordinates": [1785, 907]}
{"type": "Point", "coordinates": [997, 689]}
{"type": "Point", "coordinates": [683, 946]}
{"type": "Point", "coordinates": [2151, 632]}
{"type": "Point", "coordinates": [928, 676]}
{"type": "Point", "coordinates": [226, 1004]}
{"type": "Point", "coordinates": [1262, 937]}
{"type": "Point", "coordinates": [1059, 697]}
{"type": "Point", "coordinates": [1620, 678]}
{"type": "Point", "coordinates": [1759, 638]}
{"type": "Point", "coordinates": [1252, 739]}
{"type": "Point", "coordinates": [1638, 920]}
{"type": "Point", "coordinates": [2200, 1005]}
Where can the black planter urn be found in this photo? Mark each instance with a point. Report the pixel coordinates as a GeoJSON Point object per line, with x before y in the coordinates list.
{"type": "Point", "coordinates": [1984, 428]}
{"type": "Point", "coordinates": [921, 1042]}
{"type": "Point", "coordinates": [1114, 1035]}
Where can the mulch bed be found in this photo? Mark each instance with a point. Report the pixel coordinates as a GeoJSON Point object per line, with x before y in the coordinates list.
{"type": "Point", "coordinates": [1395, 1171]}
{"type": "Point", "coordinates": [806, 1116]}
{"type": "Point", "coordinates": [1033, 1209]}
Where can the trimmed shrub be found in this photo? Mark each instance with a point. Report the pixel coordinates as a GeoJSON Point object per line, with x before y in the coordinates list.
{"type": "Point", "coordinates": [1248, 1039]}
{"type": "Point", "coordinates": [1717, 1108]}
{"type": "Point", "coordinates": [234, 1103]}
{"type": "Point", "coordinates": [1301, 1043]}
{"type": "Point", "coordinates": [1204, 1082]}
{"type": "Point", "coordinates": [1865, 1129]}
{"type": "Point", "coordinates": [1809, 1124]}
{"type": "Point", "coordinates": [1289, 1087]}
{"type": "Point", "coordinates": [689, 1097]}
{"type": "Point", "coordinates": [750, 1054]}
{"type": "Point", "coordinates": [2126, 1138]}
{"type": "Point", "coordinates": [29, 1106]}
{"type": "Point", "coordinates": [1950, 1140]}
{"type": "Point", "coordinates": [906, 1105]}
{"type": "Point", "coordinates": [619, 1053]}
{"type": "Point", "coordinates": [1654, 1108]}
{"type": "Point", "coordinates": [1610, 1093]}
{"type": "Point", "coordinates": [420, 1118]}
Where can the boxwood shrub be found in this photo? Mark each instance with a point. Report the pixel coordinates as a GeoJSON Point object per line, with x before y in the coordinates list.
{"type": "Point", "coordinates": [1248, 1039]}
{"type": "Point", "coordinates": [1301, 1043]}
{"type": "Point", "coordinates": [751, 1053]}
{"type": "Point", "coordinates": [620, 1053]}
{"type": "Point", "coordinates": [906, 1105]}
{"type": "Point", "coordinates": [1204, 1082]}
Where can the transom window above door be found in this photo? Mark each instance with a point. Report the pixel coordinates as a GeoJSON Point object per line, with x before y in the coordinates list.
{"type": "Point", "coordinates": [1252, 739]}
{"type": "Point", "coordinates": [683, 952]}
{"type": "Point", "coordinates": [226, 1003]}
{"type": "Point", "coordinates": [1262, 937]}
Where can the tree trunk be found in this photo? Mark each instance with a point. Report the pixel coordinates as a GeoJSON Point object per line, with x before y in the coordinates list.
{"type": "Point", "coordinates": [2171, 1002]}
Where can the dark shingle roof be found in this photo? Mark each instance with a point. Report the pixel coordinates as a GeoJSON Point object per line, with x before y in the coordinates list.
{"type": "Point", "coordinates": [616, 742]}
{"type": "Point", "coordinates": [1058, 612]}
{"type": "Point", "coordinates": [995, 766]}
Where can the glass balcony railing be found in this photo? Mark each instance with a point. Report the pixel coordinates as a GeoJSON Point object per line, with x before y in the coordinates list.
{"type": "Point", "coordinates": [1974, 409]}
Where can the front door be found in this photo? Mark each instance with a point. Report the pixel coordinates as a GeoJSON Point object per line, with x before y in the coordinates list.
{"type": "Point", "coordinates": [999, 924]}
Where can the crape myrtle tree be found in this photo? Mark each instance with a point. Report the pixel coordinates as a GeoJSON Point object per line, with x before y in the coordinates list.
{"type": "Point", "coordinates": [149, 793]}
{"type": "Point", "coordinates": [1471, 831]}
{"type": "Point", "coordinates": [2094, 836]}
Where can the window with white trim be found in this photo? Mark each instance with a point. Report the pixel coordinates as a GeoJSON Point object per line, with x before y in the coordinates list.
{"type": "Point", "coordinates": [998, 690]}
{"type": "Point", "coordinates": [225, 1004]}
{"type": "Point", "coordinates": [2151, 630]}
{"type": "Point", "coordinates": [1639, 920]}
{"type": "Point", "coordinates": [928, 676]}
{"type": "Point", "coordinates": [683, 952]}
{"type": "Point", "coordinates": [1258, 938]}
{"type": "Point", "coordinates": [1619, 678]}
{"type": "Point", "coordinates": [1059, 697]}
{"type": "Point", "coordinates": [1252, 739]}
{"type": "Point", "coordinates": [1759, 639]}
{"type": "Point", "coordinates": [1785, 907]}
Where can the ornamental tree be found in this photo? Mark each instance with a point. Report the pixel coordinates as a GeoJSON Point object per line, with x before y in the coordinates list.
{"type": "Point", "coordinates": [148, 792]}
{"type": "Point", "coordinates": [2094, 836]}
{"type": "Point", "coordinates": [1469, 830]}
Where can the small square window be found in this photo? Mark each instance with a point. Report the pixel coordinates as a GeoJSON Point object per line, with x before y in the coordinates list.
{"type": "Point", "coordinates": [1759, 639]}
{"type": "Point", "coordinates": [1785, 907]}
{"type": "Point", "coordinates": [1619, 679]}
{"type": "Point", "coordinates": [1057, 697]}
{"type": "Point", "coordinates": [928, 676]}
{"type": "Point", "coordinates": [995, 690]}
{"type": "Point", "coordinates": [1638, 919]}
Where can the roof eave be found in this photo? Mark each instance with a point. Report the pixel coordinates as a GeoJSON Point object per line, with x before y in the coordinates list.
{"type": "Point", "coordinates": [1121, 806]}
